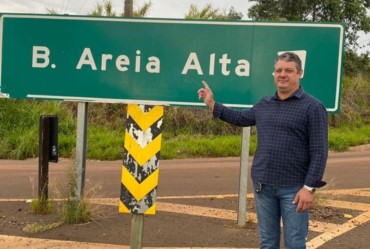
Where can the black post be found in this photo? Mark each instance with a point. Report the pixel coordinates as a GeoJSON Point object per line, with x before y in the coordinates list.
{"type": "Point", "coordinates": [53, 139]}
{"type": "Point", "coordinates": [48, 152]}
{"type": "Point", "coordinates": [44, 137]}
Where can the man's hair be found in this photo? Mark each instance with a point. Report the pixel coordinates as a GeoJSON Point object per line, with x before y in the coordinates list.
{"type": "Point", "coordinates": [290, 57]}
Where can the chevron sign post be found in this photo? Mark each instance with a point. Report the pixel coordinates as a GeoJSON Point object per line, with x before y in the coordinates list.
{"type": "Point", "coordinates": [141, 159]}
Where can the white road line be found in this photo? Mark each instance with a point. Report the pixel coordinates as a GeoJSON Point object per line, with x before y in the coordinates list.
{"type": "Point", "coordinates": [346, 227]}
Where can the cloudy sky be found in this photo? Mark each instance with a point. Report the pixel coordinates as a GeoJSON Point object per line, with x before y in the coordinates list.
{"type": "Point", "coordinates": [160, 8]}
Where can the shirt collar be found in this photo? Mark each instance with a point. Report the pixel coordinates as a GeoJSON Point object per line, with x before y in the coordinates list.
{"type": "Point", "coordinates": [297, 94]}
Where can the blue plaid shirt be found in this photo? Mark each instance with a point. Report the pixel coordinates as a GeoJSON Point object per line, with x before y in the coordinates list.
{"type": "Point", "coordinates": [292, 135]}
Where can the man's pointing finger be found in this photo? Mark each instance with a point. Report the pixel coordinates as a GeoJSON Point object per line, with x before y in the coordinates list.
{"type": "Point", "coordinates": [205, 85]}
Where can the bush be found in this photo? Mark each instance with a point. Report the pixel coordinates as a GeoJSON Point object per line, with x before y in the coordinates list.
{"type": "Point", "coordinates": [355, 106]}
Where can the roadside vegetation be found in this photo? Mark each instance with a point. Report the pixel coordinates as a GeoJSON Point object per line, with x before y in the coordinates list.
{"type": "Point", "coordinates": [187, 132]}
{"type": "Point", "coordinates": [73, 209]}
{"type": "Point", "coordinates": [70, 209]}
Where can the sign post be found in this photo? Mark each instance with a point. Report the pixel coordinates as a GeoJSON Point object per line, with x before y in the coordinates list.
{"type": "Point", "coordinates": [140, 170]}
{"type": "Point", "coordinates": [81, 148]}
{"type": "Point", "coordinates": [243, 177]}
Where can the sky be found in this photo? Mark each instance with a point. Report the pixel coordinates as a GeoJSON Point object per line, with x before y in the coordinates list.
{"type": "Point", "coordinates": [160, 9]}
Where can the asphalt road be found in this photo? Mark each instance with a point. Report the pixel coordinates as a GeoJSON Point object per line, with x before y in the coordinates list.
{"type": "Point", "coordinates": [346, 173]}
{"type": "Point", "coordinates": [19, 179]}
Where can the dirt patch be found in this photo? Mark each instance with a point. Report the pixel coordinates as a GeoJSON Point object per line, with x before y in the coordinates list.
{"type": "Point", "coordinates": [165, 229]}
{"type": "Point", "coordinates": [332, 215]}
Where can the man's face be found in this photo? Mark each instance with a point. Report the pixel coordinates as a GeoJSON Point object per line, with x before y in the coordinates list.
{"type": "Point", "coordinates": [286, 77]}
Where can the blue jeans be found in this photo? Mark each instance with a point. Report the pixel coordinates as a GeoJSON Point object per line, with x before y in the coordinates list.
{"type": "Point", "coordinates": [274, 204]}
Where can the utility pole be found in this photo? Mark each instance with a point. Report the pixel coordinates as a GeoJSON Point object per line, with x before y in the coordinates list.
{"type": "Point", "coordinates": [129, 8]}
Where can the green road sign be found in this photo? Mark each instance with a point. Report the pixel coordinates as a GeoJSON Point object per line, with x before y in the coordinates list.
{"type": "Point", "coordinates": [162, 61]}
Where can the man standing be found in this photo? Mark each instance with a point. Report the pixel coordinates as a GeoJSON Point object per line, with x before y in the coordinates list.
{"type": "Point", "coordinates": [292, 149]}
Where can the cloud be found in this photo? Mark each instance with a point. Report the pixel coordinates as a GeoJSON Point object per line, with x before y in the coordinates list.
{"type": "Point", "coordinates": [160, 8]}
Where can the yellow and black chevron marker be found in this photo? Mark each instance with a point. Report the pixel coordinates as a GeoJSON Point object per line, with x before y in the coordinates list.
{"type": "Point", "coordinates": [140, 168]}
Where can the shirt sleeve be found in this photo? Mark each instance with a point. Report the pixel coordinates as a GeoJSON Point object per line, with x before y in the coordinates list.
{"type": "Point", "coordinates": [233, 116]}
{"type": "Point", "coordinates": [318, 146]}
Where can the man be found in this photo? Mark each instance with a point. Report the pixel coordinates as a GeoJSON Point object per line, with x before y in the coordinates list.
{"type": "Point", "coordinates": [292, 149]}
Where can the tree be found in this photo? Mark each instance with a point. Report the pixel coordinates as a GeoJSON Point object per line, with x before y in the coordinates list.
{"type": "Point", "coordinates": [209, 12]}
{"type": "Point", "coordinates": [355, 64]}
{"type": "Point", "coordinates": [106, 9]}
{"type": "Point", "coordinates": [352, 12]}
{"type": "Point", "coordinates": [103, 9]}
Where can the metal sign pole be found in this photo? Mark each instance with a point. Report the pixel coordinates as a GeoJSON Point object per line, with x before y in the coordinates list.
{"type": "Point", "coordinates": [137, 220]}
{"type": "Point", "coordinates": [137, 229]}
{"type": "Point", "coordinates": [243, 177]}
{"type": "Point", "coordinates": [81, 139]}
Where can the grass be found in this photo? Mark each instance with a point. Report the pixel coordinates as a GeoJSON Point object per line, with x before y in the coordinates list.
{"type": "Point", "coordinates": [19, 125]}
{"type": "Point", "coordinates": [323, 194]}
{"type": "Point", "coordinates": [203, 146]}
{"type": "Point", "coordinates": [105, 143]}
{"type": "Point", "coordinates": [40, 227]}
{"type": "Point", "coordinates": [71, 211]}
{"type": "Point", "coordinates": [76, 210]}
{"type": "Point", "coordinates": [340, 139]}
{"type": "Point", "coordinates": [41, 206]}
{"type": "Point", "coordinates": [187, 132]}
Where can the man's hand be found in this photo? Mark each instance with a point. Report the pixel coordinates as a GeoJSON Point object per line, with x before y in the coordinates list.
{"type": "Point", "coordinates": [206, 94]}
{"type": "Point", "coordinates": [304, 200]}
